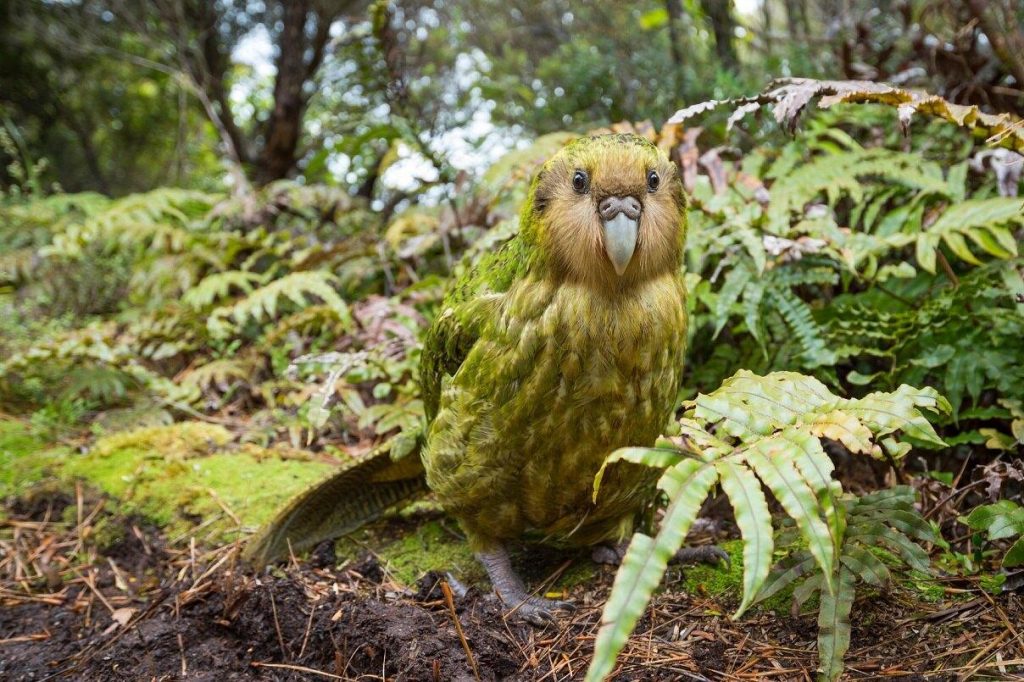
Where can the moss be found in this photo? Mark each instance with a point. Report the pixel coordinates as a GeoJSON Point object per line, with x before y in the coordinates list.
{"type": "Point", "coordinates": [927, 587]}
{"type": "Point", "coordinates": [24, 459]}
{"type": "Point", "coordinates": [716, 581]}
{"type": "Point", "coordinates": [581, 572]}
{"type": "Point", "coordinates": [171, 441]}
{"type": "Point", "coordinates": [107, 532]}
{"type": "Point", "coordinates": [183, 495]}
{"type": "Point", "coordinates": [727, 584]}
{"type": "Point", "coordinates": [429, 547]}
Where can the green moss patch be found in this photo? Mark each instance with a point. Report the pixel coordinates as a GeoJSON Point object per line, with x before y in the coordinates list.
{"type": "Point", "coordinates": [717, 581]}
{"type": "Point", "coordinates": [213, 496]}
{"type": "Point", "coordinates": [24, 459]}
{"type": "Point", "coordinates": [170, 441]}
{"type": "Point", "coordinates": [179, 476]}
{"type": "Point", "coordinates": [415, 550]}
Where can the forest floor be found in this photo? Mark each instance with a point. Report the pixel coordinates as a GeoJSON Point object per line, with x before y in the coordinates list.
{"type": "Point", "coordinates": [89, 591]}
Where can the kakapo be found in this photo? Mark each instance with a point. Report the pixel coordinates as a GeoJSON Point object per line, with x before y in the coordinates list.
{"type": "Point", "coordinates": [553, 351]}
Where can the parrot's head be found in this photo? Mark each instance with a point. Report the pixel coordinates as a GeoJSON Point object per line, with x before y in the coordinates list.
{"type": "Point", "coordinates": [608, 211]}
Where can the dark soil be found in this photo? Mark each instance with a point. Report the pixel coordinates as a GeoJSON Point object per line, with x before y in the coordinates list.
{"type": "Point", "coordinates": [137, 609]}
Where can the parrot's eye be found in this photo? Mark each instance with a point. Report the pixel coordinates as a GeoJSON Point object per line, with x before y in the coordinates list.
{"type": "Point", "coordinates": [580, 182]}
{"type": "Point", "coordinates": [653, 181]}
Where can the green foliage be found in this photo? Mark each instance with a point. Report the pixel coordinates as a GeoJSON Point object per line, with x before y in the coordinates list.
{"type": "Point", "coordinates": [294, 315]}
{"type": "Point", "coordinates": [880, 526]}
{"type": "Point", "coordinates": [193, 303]}
{"type": "Point", "coordinates": [999, 521]}
{"type": "Point", "coordinates": [766, 431]}
{"type": "Point", "coordinates": [863, 266]}
{"type": "Point", "coordinates": [263, 302]}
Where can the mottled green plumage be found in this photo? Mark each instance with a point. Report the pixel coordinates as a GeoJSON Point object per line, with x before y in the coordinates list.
{"type": "Point", "coordinates": [542, 361]}
{"type": "Point", "coordinates": [532, 379]}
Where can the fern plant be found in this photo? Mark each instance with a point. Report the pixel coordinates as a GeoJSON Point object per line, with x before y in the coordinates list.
{"type": "Point", "coordinates": [263, 303]}
{"type": "Point", "coordinates": [764, 431]}
{"type": "Point", "coordinates": [879, 525]}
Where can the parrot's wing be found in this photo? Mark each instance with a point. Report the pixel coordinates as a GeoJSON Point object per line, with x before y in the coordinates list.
{"type": "Point", "coordinates": [467, 308]}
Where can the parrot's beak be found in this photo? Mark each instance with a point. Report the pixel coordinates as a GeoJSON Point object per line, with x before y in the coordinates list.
{"type": "Point", "coordinates": [620, 240]}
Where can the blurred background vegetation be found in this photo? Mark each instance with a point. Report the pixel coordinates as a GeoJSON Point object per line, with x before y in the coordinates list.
{"type": "Point", "coordinates": [197, 196]}
{"type": "Point", "coordinates": [121, 96]}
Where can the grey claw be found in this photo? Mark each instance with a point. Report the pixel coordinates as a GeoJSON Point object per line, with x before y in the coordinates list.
{"type": "Point", "coordinates": [539, 612]}
{"type": "Point", "coordinates": [536, 617]}
{"type": "Point", "coordinates": [604, 554]}
{"type": "Point", "coordinates": [458, 588]}
{"type": "Point", "coordinates": [705, 554]}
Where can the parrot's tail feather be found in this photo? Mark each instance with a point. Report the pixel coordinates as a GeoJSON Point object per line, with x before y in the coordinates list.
{"type": "Point", "coordinates": [347, 499]}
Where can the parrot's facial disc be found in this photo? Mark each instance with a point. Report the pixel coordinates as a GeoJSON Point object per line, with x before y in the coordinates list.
{"type": "Point", "coordinates": [620, 235]}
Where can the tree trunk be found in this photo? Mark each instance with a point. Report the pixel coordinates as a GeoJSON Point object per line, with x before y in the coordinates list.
{"type": "Point", "coordinates": [999, 23]}
{"type": "Point", "coordinates": [279, 156]}
{"type": "Point", "coordinates": [284, 125]}
{"type": "Point", "coordinates": [796, 19]}
{"type": "Point", "coordinates": [724, 27]}
{"type": "Point", "coordinates": [89, 152]}
{"type": "Point", "coordinates": [676, 37]}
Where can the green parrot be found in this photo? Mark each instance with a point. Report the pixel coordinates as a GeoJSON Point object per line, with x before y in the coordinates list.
{"type": "Point", "coordinates": [553, 351]}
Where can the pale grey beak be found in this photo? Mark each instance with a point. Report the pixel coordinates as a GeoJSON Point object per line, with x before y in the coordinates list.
{"type": "Point", "coordinates": [620, 240]}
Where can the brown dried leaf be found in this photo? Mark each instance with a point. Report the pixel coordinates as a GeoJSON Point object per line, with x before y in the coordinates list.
{"type": "Point", "coordinates": [998, 473]}
{"type": "Point", "coordinates": [688, 156]}
{"type": "Point", "coordinates": [122, 615]}
{"type": "Point", "coordinates": [792, 96]}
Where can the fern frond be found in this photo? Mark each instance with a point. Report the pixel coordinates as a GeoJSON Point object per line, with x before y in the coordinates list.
{"type": "Point", "coordinates": [262, 304]}
{"type": "Point", "coordinates": [791, 96]}
{"type": "Point", "coordinates": [841, 174]}
{"type": "Point", "coordinates": [219, 285]}
{"type": "Point", "coordinates": [159, 220]}
{"type": "Point", "coordinates": [800, 320]}
{"type": "Point", "coordinates": [219, 374]}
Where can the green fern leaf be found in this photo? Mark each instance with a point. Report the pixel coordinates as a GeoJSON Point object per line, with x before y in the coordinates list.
{"type": "Point", "coordinates": [788, 571]}
{"type": "Point", "coordinates": [658, 458]}
{"type": "Point", "coordinates": [866, 566]}
{"type": "Point", "coordinates": [219, 285]}
{"type": "Point", "coordinates": [686, 484]}
{"type": "Point", "coordinates": [262, 303]}
{"type": "Point", "coordinates": [766, 430]}
{"type": "Point", "coordinates": [834, 626]}
{"type": "Point", "coordinates": [754, 521]}
{"type": "Point", "coordinates": [875, 533]}
{"type": "Point", "coordinates": [797, 498]}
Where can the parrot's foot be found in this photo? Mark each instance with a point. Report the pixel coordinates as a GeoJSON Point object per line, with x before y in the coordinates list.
{"type": "Point", "coordinates": [540, 611]}
{"type": "Point", "coordinates": [512, 593]}
{"type": "Point", "coordinates": [704, 554]}
{"type": "Point", "coordinates": [609, 554]}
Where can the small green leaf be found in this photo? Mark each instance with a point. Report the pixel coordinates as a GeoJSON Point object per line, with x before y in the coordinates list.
{"type": "Point", "coordinates": [873, 533]}
{"type": "Point", "coordinates": [925, 252]}
{"type": "Point", "coordinates": [805, 590]}
{"type": "Point", "coordinates": [834, 626]}
{"type": "Point", "coordinates": [657, 458]}
{"type": "Point", "coordinates": [958, 245]}
{"type": "Point", "coordinates": [790, 569]}
{"type": "Point", "coordinates": [1015, 555]}
{"type": "Point", "coordinates": [755, 523]}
